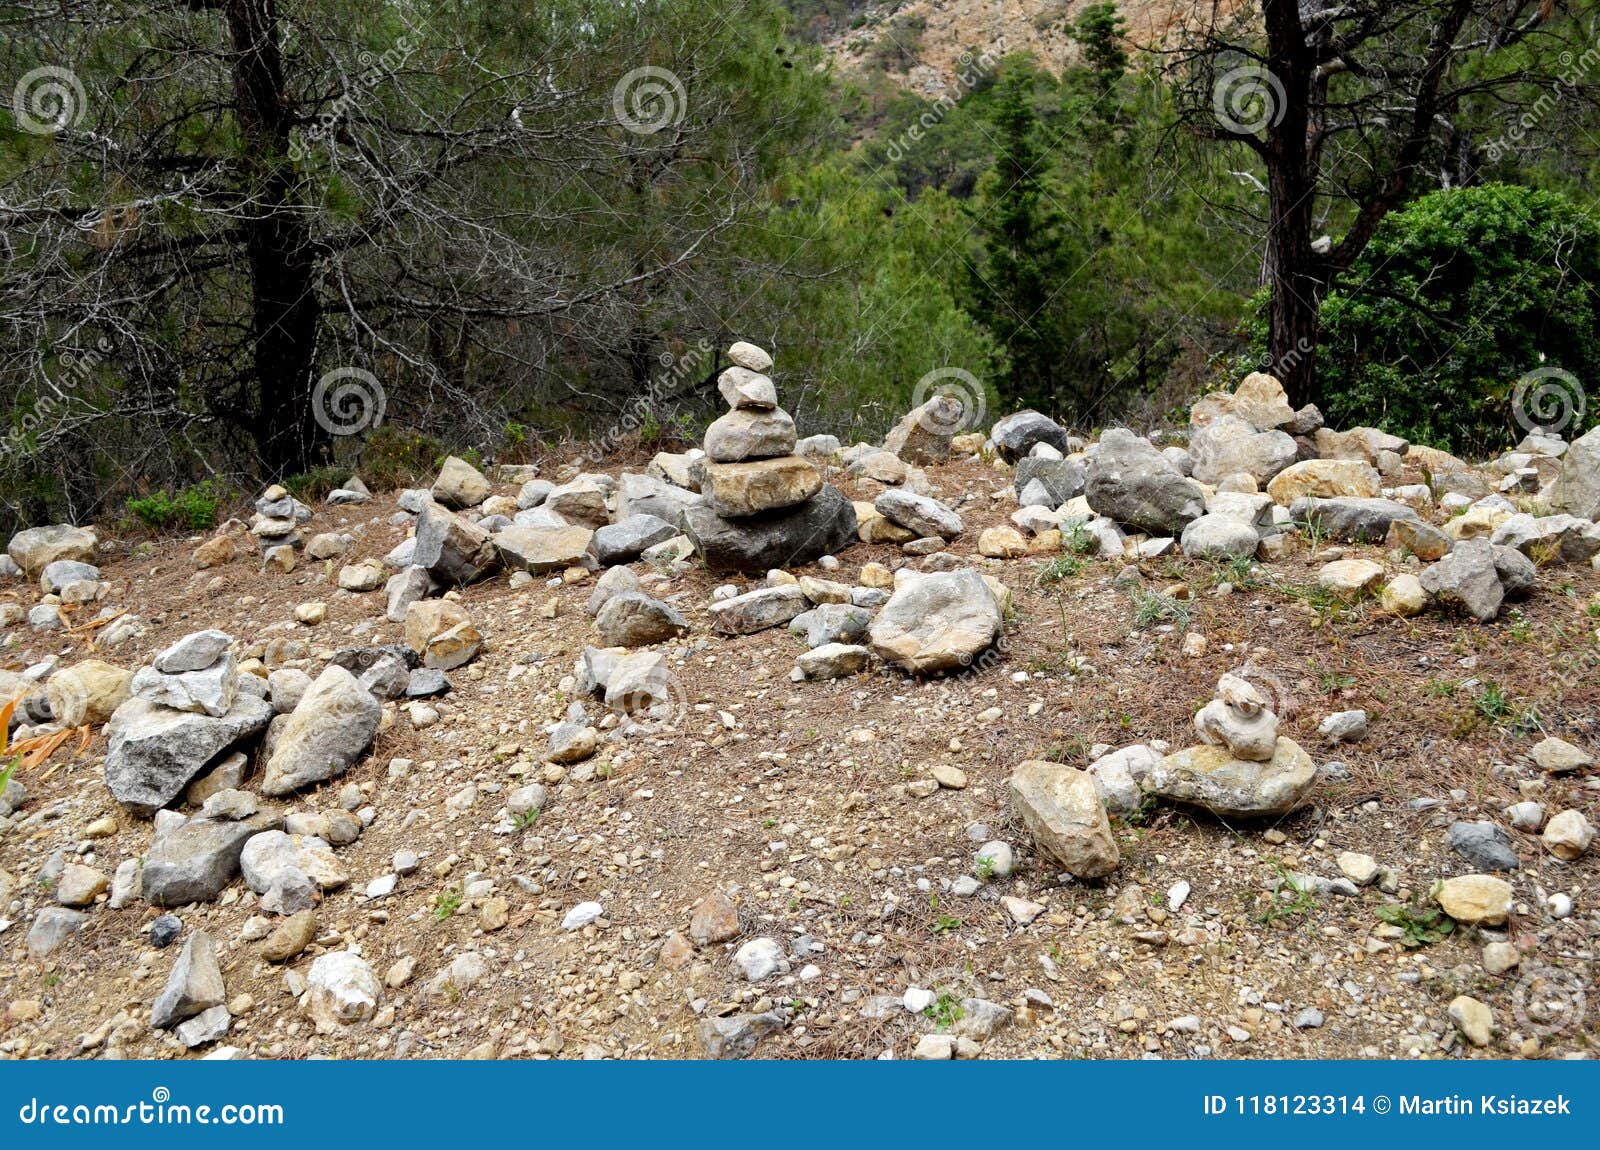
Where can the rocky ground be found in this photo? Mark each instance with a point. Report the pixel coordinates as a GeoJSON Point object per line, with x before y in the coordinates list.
{"type": "Point", "coordinates": [847, 867]}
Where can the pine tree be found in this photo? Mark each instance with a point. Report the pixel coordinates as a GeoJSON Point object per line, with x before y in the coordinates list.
{"type": "Point", "coordinates": [1025, 257]}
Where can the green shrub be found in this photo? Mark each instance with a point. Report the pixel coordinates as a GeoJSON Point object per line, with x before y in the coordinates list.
{"type": "Point", "coordinates": [193, 508]}
{"type": "Point", "coordinates": [393, 457]}
{"type": "Point", "coordinates": [1457, 297]}
{"type": "Point", "coordinates": [315, 484]}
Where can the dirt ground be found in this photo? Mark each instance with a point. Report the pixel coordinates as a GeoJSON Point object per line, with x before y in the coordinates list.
{"type": "Point", "coordinates": [797, 798]}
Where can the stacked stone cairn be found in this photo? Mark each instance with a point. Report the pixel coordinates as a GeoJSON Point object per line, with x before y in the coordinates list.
{"type": "Point", "coordinates": [1243, 767]}
{"type": "Point", "coordinates": [762, 506]}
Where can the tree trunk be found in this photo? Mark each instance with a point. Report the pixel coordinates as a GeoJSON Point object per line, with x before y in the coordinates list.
{"type": "Point", "coordinates": [287, 433]}
{"type": "Point", "coordinates": [1292, 269]}
{"type": "Point", "coordinates": [1294, 317]}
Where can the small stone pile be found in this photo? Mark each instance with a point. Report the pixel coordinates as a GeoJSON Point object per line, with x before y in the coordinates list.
{"type": "Point", "coordinates": [761, 506]}
{"type": "Point", "coordinates": [188, 709]}
{"type": "Point", "coordinates": [276, 526]}
{"type": "Point", "coordinates": [1244, 768]}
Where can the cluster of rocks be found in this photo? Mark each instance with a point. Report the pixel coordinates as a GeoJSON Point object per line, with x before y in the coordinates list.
{"type": "Point", "coordinates": [189, 710]}
{"type": "Point", "coordinates": [1257, 476]}
{"type": "Point", "coordinates": [920, 622]}
{"type": "Point", "coordinates": [223, 729]}
{"type": "Point", "coordinates": [1242, 769]}
{"type": "Point", "coordinates": [60, 560]}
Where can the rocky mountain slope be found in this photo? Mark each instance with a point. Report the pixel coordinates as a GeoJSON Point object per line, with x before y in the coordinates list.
{"type": "Point", "coordinates": [1273, 742]}
{"type": "Point", "coordinates": [929, 44]}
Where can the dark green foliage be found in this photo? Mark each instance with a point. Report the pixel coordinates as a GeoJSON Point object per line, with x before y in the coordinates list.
{"type": "Point", "coordinates": [193, 508]}
{"type": "Point", "coordinates": [1027, 251]}
{"type": "Point", "coordinates": [1457, 297]}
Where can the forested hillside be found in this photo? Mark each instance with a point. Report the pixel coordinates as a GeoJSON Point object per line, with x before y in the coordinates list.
{"type": "Point", "coordinates": [250, 242]}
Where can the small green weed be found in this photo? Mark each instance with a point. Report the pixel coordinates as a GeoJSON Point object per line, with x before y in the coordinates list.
{"type": "Point", "coordinates": [945, 1011]}
{"type": "Point", "coordinates": [446, 903]}
{"type": "Point", "coordinates": [1423, 926]}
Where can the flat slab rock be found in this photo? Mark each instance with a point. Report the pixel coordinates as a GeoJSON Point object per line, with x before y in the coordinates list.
{"type": "Point", "coordinates": [1212, 778]}
{"type": "Point", "coordinates": [155, 753]}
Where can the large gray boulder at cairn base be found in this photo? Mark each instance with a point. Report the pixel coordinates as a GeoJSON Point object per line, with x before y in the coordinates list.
{"type": "Point", "coordinates": [785, 538]}
{"type": "Point", "coordinates": [156, 752]}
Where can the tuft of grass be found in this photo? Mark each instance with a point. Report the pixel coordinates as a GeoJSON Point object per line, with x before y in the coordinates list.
{"type": "Point", "coordinates": [525, 819]}
{"type": "Point", "coordinates": [1237, 570]}
{"type": "Point", "coordinates": [1076, 540]}
{"type": "Point", "coordinates": [1492, 703]}
{"type": "Point", "coordinates": [1152, 607]}
{"type": "Point", "coordinates": [1313, 531]}
{"type": "Point", "coordinates": [1290, 900]}
{"type": "Point", "coordinates": [1063, 566]}
{"type": "Point", "coordinates": [1331, 683]}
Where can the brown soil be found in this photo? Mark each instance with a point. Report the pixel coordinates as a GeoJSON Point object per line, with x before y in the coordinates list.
{"type": "Point", "coordinates": [795, 799]}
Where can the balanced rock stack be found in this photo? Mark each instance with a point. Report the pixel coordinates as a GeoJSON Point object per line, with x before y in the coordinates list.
{"type": "Point", "coordinates": [1244, 767]}
{"type": "Point", "coordinates": [188, 710]}
{"type": "Point", "coordinates": [762, 506]}
{"type": "Point", "coordinates": [276, 526]}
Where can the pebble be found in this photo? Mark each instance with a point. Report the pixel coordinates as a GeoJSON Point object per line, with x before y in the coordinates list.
{"type": "Point", "coordinates": [1473, 1019]}
{"type": "Point", "coordinates": [759, 959]}
{"type": "Point", "coordinates": [582, 915]}
{"type": "Point", "coordinates": [996, 858]}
